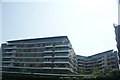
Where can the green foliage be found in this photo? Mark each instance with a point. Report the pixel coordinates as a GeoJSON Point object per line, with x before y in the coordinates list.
{"type": "Point", "coordinates": [81, 70]}
{"type": "Point", "coordinates": [114, 74]}
{"type": "Point", "coordinates": [95, 72]}
{"type": "Point", "coordinates": [109, 74]}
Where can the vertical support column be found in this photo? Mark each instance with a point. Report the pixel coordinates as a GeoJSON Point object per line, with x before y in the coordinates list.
{"type": "Point", "coordinates": [105, 61]}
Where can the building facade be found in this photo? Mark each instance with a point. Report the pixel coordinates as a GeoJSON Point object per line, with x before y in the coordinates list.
{"type": "Point", "coordinates": [52, 55]}
{"type": "Point", "coordinates": [117, 33]}
{"type": "Point", "coordinates": [101, 61]}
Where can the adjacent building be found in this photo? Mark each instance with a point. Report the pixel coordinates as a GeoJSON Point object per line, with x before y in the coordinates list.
{"type": "Point", "coordinates": [117, 33]}
{"type": "Point", "coordinates": [101, 61]}
{"type": "Point", "coordinates": [52, 55]}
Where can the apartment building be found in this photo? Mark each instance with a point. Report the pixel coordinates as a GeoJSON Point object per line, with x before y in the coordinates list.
{"type": "Point", "coordinates": [101, 61]}
{"type": "Point", "coordinates": [52, 55]}
{"type": "Point", "coordinates": [117, 33]}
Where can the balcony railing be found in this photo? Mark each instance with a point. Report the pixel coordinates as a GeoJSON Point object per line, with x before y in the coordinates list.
{"type": "Point", "coordinates": [61, 61]}
{"type": "Point", "coordinates": [48, 51]}
{"type": "Point", "coordinates": [47, 67]}
{"type": "Point", "coordinates": [49, 46]}
{"type": "Point", "coordinates": [29, 47]}
{"type": "Point", "coordinates": [26, 62]}
{"type": "Point", "coordinates": [10, 56]}
{"type": "Point", "coordinates": [6, 56]}
{"type": "Point", "coordinates": [63, 45]}
{"type": "Point", "coordinates": [61, 68]}
{"type": "Point", "coordinates": [47, 62]}
{"type": "Point", "coordinates": [13, 47]}
{"type": "Point", "coordinates": [62, 56]}
{"type": "Point", "coordinates": [8, 61]}
{"type": "Point", "coordinates": [47, 56]}
{"type": "Point", "coordinates": [8, 52]}
{"type": "Point", "coordinates": [27, 57]}
{"type": "Point", "coordinates": [62, 50]}
{"type": "Point", "coordinates": [14, 51]}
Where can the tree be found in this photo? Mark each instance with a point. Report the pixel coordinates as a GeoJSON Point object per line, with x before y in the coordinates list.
{"type": "Point", "coordinates": [107, 70]}
{"type": "Point", "coordinates": [110, 74]}
{"type": "Point", "coordinates": [114, 74]}
{"type": "Point", "coordinates": [81, 70]}
{"type": "Point", "coordinates": [95, 72]}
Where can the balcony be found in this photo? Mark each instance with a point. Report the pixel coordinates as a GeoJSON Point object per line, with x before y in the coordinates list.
{"type": "Point", "coordinates": [27, 67]}
{"type": "Point", "coordinates": [11, 43]}
{"type": "Point", "coordinates": [49, 46]}
{"type": "Point", "coordinates": [7, 66]}
{"type": "Point", "coordinates": [29, 47]}
{"type": "Point", "coordinates": [10, 56]}
{"type": "Point", "coordinates": [111, 57]}
{"type": "Point", "coordinates": [6, 56]}
{"type": "Point", "coordinates": [62, 50]}
{"type": "Point", "coordinates": [13, 47]}
{"type": "Point", "coordinates": [47, 62]}
{"type": "Point", "coordinates": [27, 57]}
{"type": "Point", "coordinates": [26, 62]}
{"type": "Point", "coordinates": [100, 59]}
{"type": "Point", "coordinates": [47, 68]}
{"type": "Point", "coordinates": [8, 61]}
{"type": "Point", "coordinates": [8, 52]}
{"type": "Point", "coordinates": [14, 51]}
{"type": "Point", "coordinates": [30, 52]}
{"type": "Point", "coordinates": [61, 61]}
{"type": "Point", "coordinates": [61, 68]}
{"type": "Point", "coordinates": [62, 56]}
{"type": "Point", "coordinates": [48, 51]}
{"type": "Point", "coordinates": [63, 45]}
{"type": "Point", "coordinates": [47, 56]}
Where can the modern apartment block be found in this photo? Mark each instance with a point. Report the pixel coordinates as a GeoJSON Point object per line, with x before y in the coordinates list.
{"type": "Point", "coordinates": [107, 59]}
{"type": "Point", "coordinates": [52, 55]}
{"type": "Point", "coordinates": [117, 33]}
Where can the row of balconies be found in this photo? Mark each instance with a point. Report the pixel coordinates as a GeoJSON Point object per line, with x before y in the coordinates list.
{"type": "Point", "coordinates": [24, 65]}
{"type": "Point", "coordinates": [15, 47]}
{"type": "Point", "coordinates": [46, 57]}
{"type": "Point", "coordinates": [44, 62]}
{"type": "Point", "coordinates": [62, 45]}
{"type": "Point", "coordinates": [97, 59]}
{"type": "Point", "coordinates": [12, 61]}
{"type": "Point", "coordinates": [30, 56]}
{"type": "Point", "coordinates": [55, 61]}
{"type": "Point", "coordinates": [34, 43]}
{"type": "Point", "coordinates": [50, 51]}
{"type": "Point", "coordinates": [12, 56]}
{"type": "Point", "coordinates": [40, 67]}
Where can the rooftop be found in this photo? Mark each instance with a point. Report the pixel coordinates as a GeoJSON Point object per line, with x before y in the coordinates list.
{"type": "Point", "coordinates": [38, 39]}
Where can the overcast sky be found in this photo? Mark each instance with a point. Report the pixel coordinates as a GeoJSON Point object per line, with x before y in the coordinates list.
{"type": "Point", "coordinates": [87, 23]}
